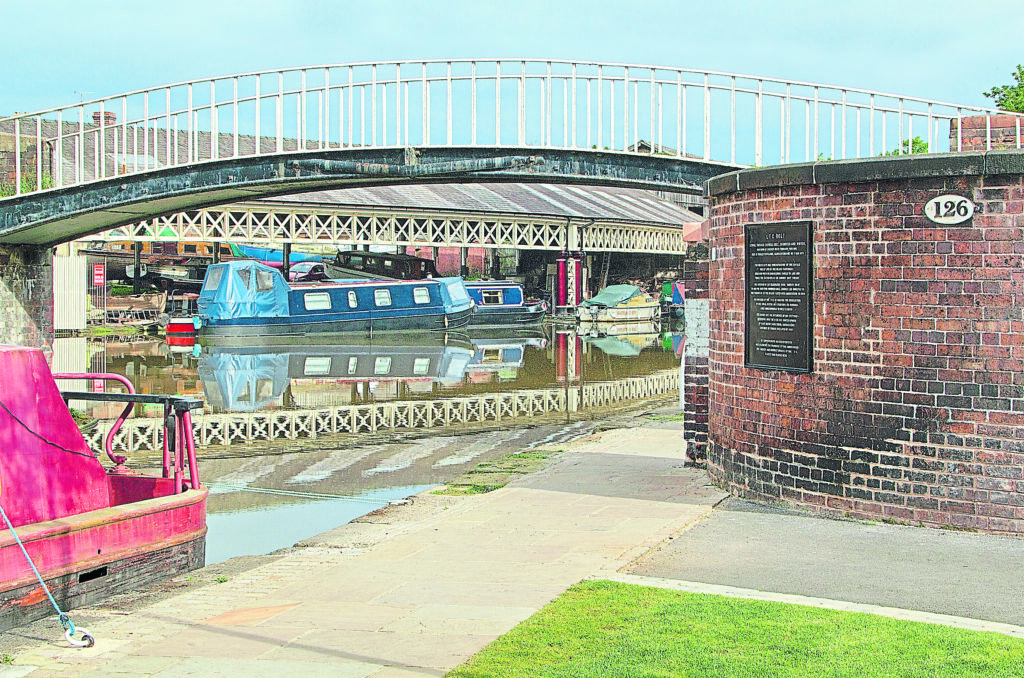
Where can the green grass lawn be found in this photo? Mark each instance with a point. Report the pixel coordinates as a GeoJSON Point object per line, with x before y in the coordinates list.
{"type": "Point", "coordinates": [608, 629]}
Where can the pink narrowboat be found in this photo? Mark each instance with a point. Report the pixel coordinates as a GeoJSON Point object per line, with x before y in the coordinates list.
{"type": "Point", "coordinates": [88, 532]}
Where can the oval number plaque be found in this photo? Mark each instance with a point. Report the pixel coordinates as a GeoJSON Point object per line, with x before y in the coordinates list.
{"type": "Point", "coordinates": [949, 209]}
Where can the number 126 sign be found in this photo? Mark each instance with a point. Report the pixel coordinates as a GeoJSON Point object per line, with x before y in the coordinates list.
{"type": "Point", "coordinates": [949, 209]}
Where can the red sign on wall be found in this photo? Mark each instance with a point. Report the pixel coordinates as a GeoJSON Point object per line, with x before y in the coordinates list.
{"type": "Point", "coordinates": [99, 275]}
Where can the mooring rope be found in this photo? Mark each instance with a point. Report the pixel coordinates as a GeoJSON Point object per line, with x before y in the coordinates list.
{"type": "Point", "coordinates": [65, 621]}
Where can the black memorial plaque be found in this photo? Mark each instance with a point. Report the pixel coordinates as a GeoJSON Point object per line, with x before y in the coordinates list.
{"type": "Point", "coordinates": [778, 296]}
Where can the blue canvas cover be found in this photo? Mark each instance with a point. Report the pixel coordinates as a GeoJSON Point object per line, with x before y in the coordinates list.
{"type": "Point", "coordinates": [242, 289]}
{"type": "Point", "coordinates": [613, 295]}
{"type": "Point", "coordinates": [243, 383]}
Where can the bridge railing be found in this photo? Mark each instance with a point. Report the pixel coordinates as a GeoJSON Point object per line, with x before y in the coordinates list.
{"type": "Point", "coordinates": [683, 113]}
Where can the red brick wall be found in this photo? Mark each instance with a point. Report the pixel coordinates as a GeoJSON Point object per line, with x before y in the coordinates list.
{"type": "Point", "coordinates": [1005, 130]}
{"type": "Point", "coordinates": [914, 410]}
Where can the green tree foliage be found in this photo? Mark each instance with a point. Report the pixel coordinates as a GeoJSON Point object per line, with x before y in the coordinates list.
{"type": "Point", "coordinates": [28, 185]}
{"type": "Point", "coordinates": [1010, 97]}
{"type": "Point", "coordinates": [910, 147]}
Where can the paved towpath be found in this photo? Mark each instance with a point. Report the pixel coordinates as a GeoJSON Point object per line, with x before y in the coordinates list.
{"type": "Point", "coordinates": [408, 595]}
{"type": "Point", "coordinates": [416, 590]}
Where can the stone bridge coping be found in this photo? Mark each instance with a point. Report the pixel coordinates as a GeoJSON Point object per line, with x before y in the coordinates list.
{"type": "Point", "coordinates": [972, 163]}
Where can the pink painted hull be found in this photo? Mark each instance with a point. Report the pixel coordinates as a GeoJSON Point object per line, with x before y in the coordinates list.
{"type": "Point", "coordinates": [89, 540]}
{"type": "Point", "coordinates": [89, 533]}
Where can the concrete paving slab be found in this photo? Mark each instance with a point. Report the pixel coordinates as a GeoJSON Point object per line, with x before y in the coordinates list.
{"type": "Point", "coordinates": [746, 545]}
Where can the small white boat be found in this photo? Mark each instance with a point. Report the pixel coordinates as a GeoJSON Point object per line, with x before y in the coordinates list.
{"type": "Point", "coordinates": [619, 303]}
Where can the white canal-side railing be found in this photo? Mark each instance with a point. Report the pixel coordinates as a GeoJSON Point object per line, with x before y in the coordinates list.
{"type": "Point", "coordinates": [143, 434]}
{"type": "Point", "coordinates": [514, 103]}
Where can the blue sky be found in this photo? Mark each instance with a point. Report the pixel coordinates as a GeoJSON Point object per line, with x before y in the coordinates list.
{"type": "Point", "coordinates": [948, 50]}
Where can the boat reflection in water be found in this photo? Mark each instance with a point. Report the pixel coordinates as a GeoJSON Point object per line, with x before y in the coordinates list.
{"type": "Point", "coordinates": [621, 338]}
{"type": "Point", "coordinates": [306, 375]}
{"type": "Point", "coordinates": [498, 354]}
{"type": "Point", "coordinates": [250, 379]}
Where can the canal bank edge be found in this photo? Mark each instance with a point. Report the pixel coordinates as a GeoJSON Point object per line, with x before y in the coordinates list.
{"type": "Point", "coordinates": [912, 410]}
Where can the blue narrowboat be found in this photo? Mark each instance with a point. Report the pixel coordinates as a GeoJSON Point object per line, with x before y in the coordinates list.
{"type": "Point", "coordinates": [246, 301]}
{"type": "Point", "coordinates": [503, 303]}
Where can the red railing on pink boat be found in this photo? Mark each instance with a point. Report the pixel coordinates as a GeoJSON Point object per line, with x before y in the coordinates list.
{"type": "Point", "coordinates": [178, 441]}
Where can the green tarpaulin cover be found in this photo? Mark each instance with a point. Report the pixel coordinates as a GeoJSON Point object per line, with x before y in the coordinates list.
{"type": "Point", "coordinates": [613, 295]}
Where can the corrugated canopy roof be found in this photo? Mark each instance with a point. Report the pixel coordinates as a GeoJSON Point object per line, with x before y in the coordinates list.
{"type": "Point", "coordinates": [587, 202]}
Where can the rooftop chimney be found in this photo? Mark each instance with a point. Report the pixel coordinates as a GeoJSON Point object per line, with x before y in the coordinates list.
{"type": "Point", "coordinates": [108, 118]}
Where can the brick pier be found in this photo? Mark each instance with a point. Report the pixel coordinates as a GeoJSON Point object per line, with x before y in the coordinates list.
{"type": "Point", "coordinates": [914, 408]}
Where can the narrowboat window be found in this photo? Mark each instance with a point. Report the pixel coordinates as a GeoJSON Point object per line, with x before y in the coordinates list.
{"type": "Point", "coordinates": [264, 280]}
{"type": "Point", "coordinates": [245, 274]}
{"type": "Point", "coordinates": [388, 263]}
{"type": "Point", "coordinates": [457, 291]}
{"type": "Point", "coordinates": [352, 301]}
{"type": "Point", "coordinates": [491, 355]}
{"type": "Point", "coordinates": [421, 366]}
{"type": "Point", "coordinates": [189, 249]}
{"type": "Point", "coordinates": [421, 295]}
{"type": "Point", "coordinates": [214, 278]}
{"type": "Point", "coordinates": [382, 297]}
{"type": "Point", "coordinates": [264, 389]}
{"type": "Point", "coordinates": [491, 297]}
{"type": "Point", "coordinates": [353, 365]}
{"type": "Point", "coordinates": [317, 301]}
{"type": "Point", "coordinates": [382, 365]}
{"type": "Point", "coordinates": [317, 366]}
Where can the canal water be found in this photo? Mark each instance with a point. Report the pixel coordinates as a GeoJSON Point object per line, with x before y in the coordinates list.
{"type": "Point", "coordinates": [269, 495]}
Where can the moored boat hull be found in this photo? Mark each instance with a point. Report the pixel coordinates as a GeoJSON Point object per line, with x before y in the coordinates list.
{"type": "Point", "coordinates": [88, 557]}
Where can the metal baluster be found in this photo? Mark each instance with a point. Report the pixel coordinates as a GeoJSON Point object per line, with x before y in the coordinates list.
{"type": "Point", "coordinates": [589, 113]}
{"type": "Point", "coordinates": [707, 117]}
{"type": "Point", "coordinates": [280, 112]}
{"type": "Point", "coordinates": [425, 103]}
{"type": "Point", "coordinates": [759, 125]}
{"type": "Point", "coordinates": [732, 119]}
{"type": "Point", "coordinates": [300, 110]}
{"type": "Point", "coordinates": [652, 114]}
{"type": "Point", "coordinates": [815, 152]}
{"type": "Point", "coordinates": [782, 131]}
{"type": "Point", "coordinates": [234, 115]}
{"type": "Point", "coordinates": [39, 152]}
{"type": "Point", "coordinates": [59, 180]}
{"type": "Point", "coordinates": [145, 126]}
{"type": "Point", "coordinates": [600, 106]}
{"type": "Point", "coordinates": [832, 130]}
{"type": "Point", "coordinates": [546, 109]}
{"type": "Point", "coordinates": [497, 104]}
{"type": "Point", "coordinates": [843, 124]}
{"type": "Point", "coordinates": [351, 96]}
{"type": "Point", "coordinates": [449, 113]}
{"type": "Point", "coordinates": [572, 110]}
{"type": "Point", "coordinates": [326, 103]}
{"type": "Point", "coordinates": [932, 139]}
{"type": "Point", "coordinates": [258, 131]}
{"type": "Point", "coordinates": [521, 112]}
{"type": "Point", "coordinates": [625, 110]}
{"type": "Point", "coordinates": [373, 105]}
{"type": "Point", "coordinates": [900, 147]}
{"type": "Point", "coordinates": [472, 104]}
{"type": "Point", "coordinates": [398, 105]}
{"type": "Point", "coordinates": [789, 122]}
{"type": "Point", "coordinates": [871, 126]}
{"type": "Point", "coordinates": [680, 121]}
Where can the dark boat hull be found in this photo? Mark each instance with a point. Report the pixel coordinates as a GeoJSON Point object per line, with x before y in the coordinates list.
{"type": "Point", "coordinates": [508, 316]}
{"type": "Point", "coordinates": [273, 330]}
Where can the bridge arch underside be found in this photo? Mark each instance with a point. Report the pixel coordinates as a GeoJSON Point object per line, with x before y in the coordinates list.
{"type": "Point", "coordinates": [52, 217]}
{"type": "Point", "coordinates": [909, 407]}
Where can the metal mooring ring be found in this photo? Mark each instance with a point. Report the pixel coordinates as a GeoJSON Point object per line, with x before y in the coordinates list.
{"type": "Point", "coordinates": [86, 641]}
